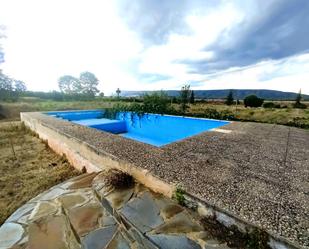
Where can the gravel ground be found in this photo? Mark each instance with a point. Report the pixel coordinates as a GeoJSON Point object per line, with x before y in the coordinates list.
{"type": "Point", "coordinates": [258, 171]}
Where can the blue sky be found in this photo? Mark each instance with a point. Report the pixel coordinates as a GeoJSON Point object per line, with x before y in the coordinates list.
{"type": "Point", "coordinates": [159, 44]}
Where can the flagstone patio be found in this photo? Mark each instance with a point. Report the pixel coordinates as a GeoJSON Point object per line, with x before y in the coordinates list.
{"type": "Point", "coordinates": [86, 213]}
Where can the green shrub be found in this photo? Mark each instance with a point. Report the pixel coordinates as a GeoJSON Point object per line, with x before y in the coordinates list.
{"type": "Point", "coordinates": [271, 105]}
{"type": "Point", "coordinates": [299, 122]}
{"type": "Point", "coordinates": [157, 102]}
{"type": "Point", "coordinates": [179, 196]}
{"type": "Point", "coordinates": [253, 101]}
{"type": "Point", "coordinates": [299, 105]}
{"type": "Point", "coordinates": [214, 114]}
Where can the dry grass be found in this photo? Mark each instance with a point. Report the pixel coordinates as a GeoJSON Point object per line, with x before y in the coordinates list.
{"type": "Point", "coordinates": [11, 111]}
{"type": "Point", "coordinates": [119, 179]}
{"type": "Point", "coordinates": [264, 115]}
{"type": "Point", "coordinates": [27, 167]}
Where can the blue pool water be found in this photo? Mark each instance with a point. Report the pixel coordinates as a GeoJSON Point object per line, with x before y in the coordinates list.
{"type": "Point", "coordinates": [154, 129]}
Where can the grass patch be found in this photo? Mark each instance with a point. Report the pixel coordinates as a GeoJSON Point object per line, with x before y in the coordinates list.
{"type": "Point", "coordinates": [27, 167]}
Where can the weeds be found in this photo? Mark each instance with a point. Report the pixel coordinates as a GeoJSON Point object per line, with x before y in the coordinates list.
{"type": "Point", "coordinates": [179, 196]}
{"type": "Point", "coordinates": [255, 239]}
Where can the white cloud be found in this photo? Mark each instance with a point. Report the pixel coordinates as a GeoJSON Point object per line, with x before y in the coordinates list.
{"type": "Point", "coordinates": [205, 29]}
{"type": "Point", "coordinates": [289, 74]}
{"type": "Point", "coordinates": [47, 39]}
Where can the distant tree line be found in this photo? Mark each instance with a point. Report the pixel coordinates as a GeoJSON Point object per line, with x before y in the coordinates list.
{"type": "Point", "coordinates": [10, 89]}
{"type": "Point", "coordinates": [84, 87]}
{"type": "Point", "coordinates": [254, 101]}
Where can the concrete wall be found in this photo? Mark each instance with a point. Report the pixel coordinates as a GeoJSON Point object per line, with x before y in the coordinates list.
{"type": "Point", "coordinates": [83, 156]}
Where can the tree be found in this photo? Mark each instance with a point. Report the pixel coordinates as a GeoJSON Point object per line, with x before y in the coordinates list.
{"type": "Point", "coordinates": [192, 99]}
{"type": "Point", "coordinates": [84, 86]}
{"type": "Point", "coordinates": [229, 98]}
{"type": "Point", "coordinates": [2, 35]}
{"type": "Point", "coordinates": [6, 87]}
{"type": "Point", "coordinates": [19, 86]}
{"type": "Point", "coordinates": [89, 83]}
{"type": "Point", "coordinates": [297, 103]}
{"type": "Point", "coordinates": [69, 84]}
{"type": "Point", "coordinates": [118, 92]}
{"type": "Point", "coordinates": [10, 88]}
{"type": "Point", "coordinates": [157, 102]}
{"type": "Point", "coordinates": [253, 101]}
{"type": "Point", "coordinates": [184, 98]}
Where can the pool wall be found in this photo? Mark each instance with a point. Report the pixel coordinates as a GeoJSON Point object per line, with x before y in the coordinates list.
{"type": "Point", "coordinates": [84, 156]}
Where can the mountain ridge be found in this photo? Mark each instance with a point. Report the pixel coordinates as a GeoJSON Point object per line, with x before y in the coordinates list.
{"type": "Point", "coordinates": [221, 94]}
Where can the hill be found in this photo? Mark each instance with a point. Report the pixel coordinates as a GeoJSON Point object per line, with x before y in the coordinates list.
{"type": "Point", "coordinates": [221, 94]}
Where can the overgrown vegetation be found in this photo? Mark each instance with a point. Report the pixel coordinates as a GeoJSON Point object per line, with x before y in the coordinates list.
{"type": "Point", "coordinates": [119, 179]}
{"type": "Point", "coordinates": [256, 239]}
{"type": "Point", "coordinates": [157, 102]}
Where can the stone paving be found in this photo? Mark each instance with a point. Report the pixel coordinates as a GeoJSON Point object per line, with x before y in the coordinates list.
{"type": "Point", "coordinates": [84, 212]}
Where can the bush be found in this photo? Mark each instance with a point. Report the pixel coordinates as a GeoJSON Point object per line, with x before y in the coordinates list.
{"type": "Point", "coordinates": [271, 105]}
{"type": "Point", "coordinates": [214, 114]}
{"type": "Point", "coordinates": [253, 101]}
{"type": "Point", "coordinates": [299, 105]}
{"type": "Point", "coordinates": [157, 102]}
{"type": "Point", "coordinates": [299, 122]}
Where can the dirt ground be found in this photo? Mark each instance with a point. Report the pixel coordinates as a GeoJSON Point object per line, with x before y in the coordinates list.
{"type": "Point", "coordinates": [27, 167]}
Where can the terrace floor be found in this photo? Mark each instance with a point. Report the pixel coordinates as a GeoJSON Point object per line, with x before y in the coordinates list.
{"type": "Point", "coordinates": [258, 172]}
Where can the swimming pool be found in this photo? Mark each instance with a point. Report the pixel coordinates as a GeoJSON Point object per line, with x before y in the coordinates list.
{"type": "Point", "coordinates": [154, 129]}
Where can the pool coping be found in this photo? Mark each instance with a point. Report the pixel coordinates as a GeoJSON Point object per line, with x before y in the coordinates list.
{"type": "Point", "coordinates": [87, 155]}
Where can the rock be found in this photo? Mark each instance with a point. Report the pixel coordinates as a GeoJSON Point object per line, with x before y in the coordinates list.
{"type": "Point", "coordinates": [143, 212]}
{"type": "Point", "coordinates": [43, 209]}
{"type": "Point", "coordinates": [168, 208]}
{"type": "Point", "coordinates": [180, 223]}
{"type": "Point", "coordinates": [118, 198]}
{"type": "Point", "coordinates": [86, 218]}
{"type": "Point", "coordinates": [214, 244]}
{"type": "Point", "coordinates": [23, 210]}
{"type": "Point", "coordinates": [52, 232]}
{"type": "Point", "coordinates": [174, 242]}
{"type": "Point", "coordinates": [118, 242]}
{"type": "Point", "coordinates": [141, 241]}
{"type": "Point", "coordinates": [51, 194]}
{"type": "Point", "coordinates": [83, 182]}
{"type": "Point", "coordinates": [99, 238]}
{"type": "Point", "coordinates": [72, 200]}
{"type": "Point", "coordinates": [10, 233]}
